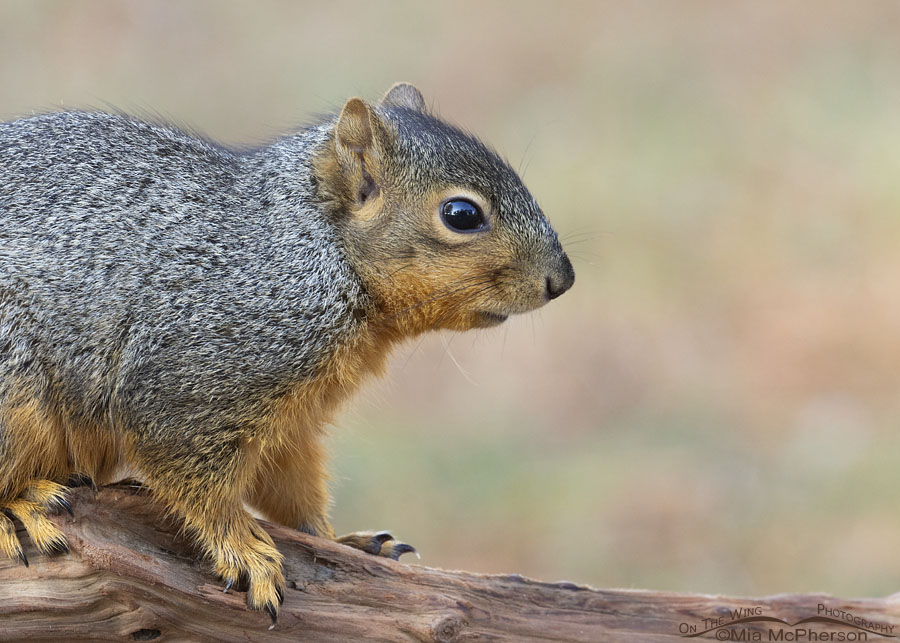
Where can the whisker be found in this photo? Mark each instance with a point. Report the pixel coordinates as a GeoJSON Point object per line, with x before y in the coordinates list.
{"type": "Point", "coordinates": [453, 359]}
{"type": "Point", "coordinates": [586, 235]}
{"type": "Point", "coordinates": [569, 244]}
{"type": "Point", "coordinates": [394, 272]}
{"type": "Point", "coordinates": [524, 155]}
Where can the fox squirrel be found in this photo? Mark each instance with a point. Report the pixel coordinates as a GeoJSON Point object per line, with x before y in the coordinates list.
{"type": "Point", "coordinates": [198, 313]}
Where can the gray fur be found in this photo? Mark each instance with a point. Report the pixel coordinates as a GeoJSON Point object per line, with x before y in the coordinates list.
{"type": "Point", "coordinates": [138, 264]}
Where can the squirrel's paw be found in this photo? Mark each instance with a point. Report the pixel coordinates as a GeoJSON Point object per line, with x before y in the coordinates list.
{"type": "Point", "coordinates": [377, 543]}
{"type": "Point", "coordinates": [252, 559]}
{"type": "Point", "coordinates": [31, 507]}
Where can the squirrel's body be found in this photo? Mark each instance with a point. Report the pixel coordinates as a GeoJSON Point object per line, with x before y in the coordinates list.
{"type": "Point", "coordinates": [198, 314]}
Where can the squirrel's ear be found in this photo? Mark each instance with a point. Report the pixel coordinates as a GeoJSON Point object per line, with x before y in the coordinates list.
{"type": "Point", "coordinates": [353, 132]}
{"type": "Point", "coordinates": [358, 142]}
{"type": "Point", "coordinates": [404, 95]}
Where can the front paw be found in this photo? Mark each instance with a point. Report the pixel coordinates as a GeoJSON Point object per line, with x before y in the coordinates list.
{"type": "Point", "coordinates": [377, 543]}
{"type": "Point", "coordinates": [248, 558]}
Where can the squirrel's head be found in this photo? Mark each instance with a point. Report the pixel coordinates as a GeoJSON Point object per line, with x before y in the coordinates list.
{"type": "Point", "coordinates": [441, 230]}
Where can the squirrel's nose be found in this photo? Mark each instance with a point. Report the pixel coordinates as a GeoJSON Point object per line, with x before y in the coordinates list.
{"type": "Point", "coordinates": [561, 279]}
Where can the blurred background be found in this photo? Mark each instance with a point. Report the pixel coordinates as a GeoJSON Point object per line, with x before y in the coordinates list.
{"type": "Point", "coordinates": [714, 407]}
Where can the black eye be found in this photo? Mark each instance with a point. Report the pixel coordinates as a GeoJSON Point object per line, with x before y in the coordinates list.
{"type": "Point", "coordinates": [461, 215]}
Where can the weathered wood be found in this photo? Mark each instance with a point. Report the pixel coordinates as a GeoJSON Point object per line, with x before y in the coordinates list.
{"type": "Point", "coordinates": [129, 576]}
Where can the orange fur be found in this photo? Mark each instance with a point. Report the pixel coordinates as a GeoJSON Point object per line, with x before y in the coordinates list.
{"type": "Point", "coordinates": [97, 453]}
{"type": "Point", "coordinates": [35, 447]}
{"type": "Point", "coordinates": [290, 486]}
{"type": "Point", "coordinates": [44, 444]}
{"type": "Point", "coordinates": [9, 542]}
{"type": "Point", "coordinates": [210, 503]}
{"type": "Point", "coordinates": [42, 449]}
{"type": "Point", "coordinates": [44, 534]}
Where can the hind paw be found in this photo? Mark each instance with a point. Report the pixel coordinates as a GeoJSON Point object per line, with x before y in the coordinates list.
{"type": "Point", "coordinates": [377, 543]}
{"type": "Point", "coordinates": [49, 495]}
{"type": "Point", "coordinates": [31, 507]}
{"type": "Point", "coordinates": [9, 542]}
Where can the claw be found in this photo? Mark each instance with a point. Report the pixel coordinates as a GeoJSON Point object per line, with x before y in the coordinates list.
{"type": "Point", "coordinates": [62, 502]}
{"type": "Point", "coordinates": [382, 537]}
{"type": "Point", "coordinates": [306, 529]}
{"type": "Point", "coordinates": [280, 593]}
{"type": "Point", "coordinates": [398, 549]}
{"type": "Point", "coordinates": [273, 613]}
{"type": "Point", "coordinates": [228, 585]}
{"type": "Point", "coordinates": [79, 480]}
{"type": "Point", "coordinates": [23, 557]}
{"type": "Point", "coordinates": [58, 547]}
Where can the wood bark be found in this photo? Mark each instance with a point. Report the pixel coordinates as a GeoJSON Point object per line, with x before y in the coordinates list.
{"type": "Point", "coordinates": [129, 576]}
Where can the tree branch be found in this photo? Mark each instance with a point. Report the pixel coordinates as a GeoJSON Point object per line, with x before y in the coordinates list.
{"type": "Point", "coordinates": [129, 576]}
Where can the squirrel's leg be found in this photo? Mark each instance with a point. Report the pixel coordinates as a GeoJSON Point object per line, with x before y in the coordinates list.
{"type": "Point", "coordinates": [291, 489]}
{"type": "Point", "coordinates": [32, 454]}
{"type": "Point", "coordinates": [291, 486]}
{"type": "Point", "coordinates": [204, 484]}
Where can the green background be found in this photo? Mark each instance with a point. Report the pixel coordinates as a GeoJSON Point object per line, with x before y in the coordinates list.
{"type": "Point", "coordinates": [714, 406]}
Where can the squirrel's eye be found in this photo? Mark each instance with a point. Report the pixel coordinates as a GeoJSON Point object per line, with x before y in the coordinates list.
{"type": "Point", "coordinates": [461, 215]}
